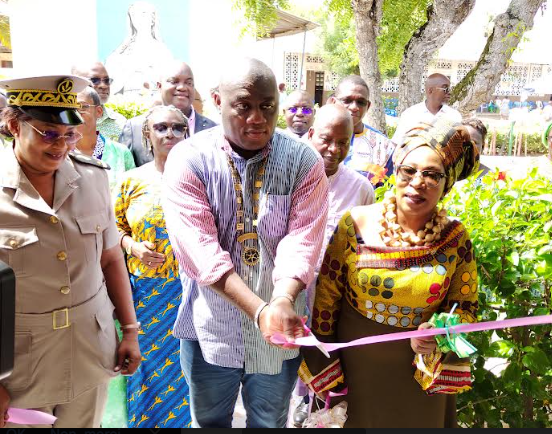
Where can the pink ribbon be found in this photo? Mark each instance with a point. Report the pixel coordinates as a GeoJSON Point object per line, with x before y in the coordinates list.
{"type": "Point", "coordinates": [311, 341]}
{"type": "Point", "coordinates": [21, 416]}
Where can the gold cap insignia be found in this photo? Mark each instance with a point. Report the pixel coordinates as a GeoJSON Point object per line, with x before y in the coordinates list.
{"type": "Point", "coordinates": [62, 98]}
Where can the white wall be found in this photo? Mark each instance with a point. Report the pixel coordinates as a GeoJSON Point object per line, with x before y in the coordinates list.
{"type": "Point", "coordinates": [469, 40]}
{"type": "Point", "coordinates": [49, 36]}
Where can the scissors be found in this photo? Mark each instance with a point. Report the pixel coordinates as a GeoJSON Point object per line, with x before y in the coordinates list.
{"type": "Point", "coordinates": [309, 333]}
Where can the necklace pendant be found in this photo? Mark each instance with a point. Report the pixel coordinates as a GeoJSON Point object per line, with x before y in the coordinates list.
{"type": "Point", "coordinates": [250, 256]}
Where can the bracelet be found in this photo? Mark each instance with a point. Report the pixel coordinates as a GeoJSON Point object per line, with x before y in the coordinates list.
{"type": "Point", "coordinates": [135, 326]}
{"type": "Point", "coordinates": [258, 314]}
{"type": "Point", "coordinates": [288, 296]}
{"type": "Point", "coordinates": [128, 250]}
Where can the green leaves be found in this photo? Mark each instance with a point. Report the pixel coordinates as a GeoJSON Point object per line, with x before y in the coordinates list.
{"type": "Point", "coordinates": [510, 223]}
{"type": "Point", "coordinates": [536, 361]}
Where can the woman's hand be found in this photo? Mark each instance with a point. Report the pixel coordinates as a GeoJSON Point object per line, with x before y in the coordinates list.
{"type": "Point", "coordinates": [424, 345]}
{"type": "Point", "coordinates": [128, 353]}
{"type": "Point", "coordinates": [147, 255]}
{"type": "Point", "coordinates": [279, 317]}
{"type": "Point", "coordinates": [4, 405]}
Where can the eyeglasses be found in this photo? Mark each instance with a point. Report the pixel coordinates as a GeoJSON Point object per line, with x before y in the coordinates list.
{"type": "Point", "coordinates": [178, 130]}
{"type": "Point", "coordinates": [445, 89]}
{"type": "Point", "coordinates": [431, 177]}
{"type": "Point", "coordinates": [84, 107]}
{"type": "Point", "coordinates": [50, 137]}
{"type": "Point", "coordinates": [304, 110]}
{"type": "Point", "coordinates": [97, 80]}
{"type": "Point", "coordinates": [349, 101]}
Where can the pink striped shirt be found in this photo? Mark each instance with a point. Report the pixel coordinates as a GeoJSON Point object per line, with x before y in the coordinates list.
{"type": "Point", "coordinates": [200, 210]}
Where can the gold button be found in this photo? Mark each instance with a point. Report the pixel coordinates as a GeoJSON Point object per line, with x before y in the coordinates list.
{"type": "Point", "coordinates": [98, 228]}
{"type": "Point", "coordinates": [65, 290]}
{"type": "Point", "coordinates": [14, 244]}
{"type": "Point", "coordinates": [54, 220]}
{"type": "Point", "coordinates": [62, 256]}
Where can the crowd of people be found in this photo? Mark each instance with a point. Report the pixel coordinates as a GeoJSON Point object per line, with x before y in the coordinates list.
{"type": "Point", "coordinates": [205, 241]}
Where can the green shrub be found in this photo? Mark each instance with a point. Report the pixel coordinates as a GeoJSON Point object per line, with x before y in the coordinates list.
{"type": "Point", "coordinates": [534, 143]}
{"type": "Point", "coordinates": [510, 223]}
{"type": "Point", "coordinates": [128, 109]}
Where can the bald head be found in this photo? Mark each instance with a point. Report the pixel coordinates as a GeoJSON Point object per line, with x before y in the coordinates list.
{"type": "Point", "coordinates": [244, 71]}
{"type": "Point", "coordinates": [299, 112]}
{"type": "Point", "coordinates": [248, 103]}
{"type": "Point", "coordinates": [437, 89]}
{"type": "Point", "coordinates": [436, 80]}
{"type": "Point", "coordinates": [333, 114]}
{"type": "Point", "coordinates": [99, 77]}
{"type": "Point", "coordinates": [331, 135]}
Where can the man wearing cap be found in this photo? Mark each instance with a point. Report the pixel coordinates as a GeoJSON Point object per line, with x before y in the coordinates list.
{"type": "Point", "coordinates": [176, 88]}
{"type": "Point", "coordinates": [111, 123]}
{"type": "Point", "coordinates": [58, 234]}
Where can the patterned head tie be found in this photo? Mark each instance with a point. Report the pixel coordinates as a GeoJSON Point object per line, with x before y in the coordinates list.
{"type": "Point", "coordinates": [51, 98]}
{"type": "Point", "coordinates": [452, 142]}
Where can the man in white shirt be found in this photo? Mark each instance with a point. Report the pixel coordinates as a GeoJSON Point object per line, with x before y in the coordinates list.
{"type": "Point", "coordinates": [437, 90]}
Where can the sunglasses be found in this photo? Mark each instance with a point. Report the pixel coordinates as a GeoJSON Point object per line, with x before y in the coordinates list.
{"type": "Point", "coordinates": [85, 107]}
{"type": "Point", "coordinates": [97, 80]}
{"type": "Point", "coordinates": [304, 110]}
{"type": "Point", "coordinates": [445, 89]}
{"type": "Point", "coordinates": [50, 136]}
{"type": "Point", "coordinates": [178, 130]}
{"type": "Point", "coordinates": [431, 177]}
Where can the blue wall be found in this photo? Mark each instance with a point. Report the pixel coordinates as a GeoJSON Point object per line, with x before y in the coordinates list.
{"type": "Point", "coordinates": [173, 24]}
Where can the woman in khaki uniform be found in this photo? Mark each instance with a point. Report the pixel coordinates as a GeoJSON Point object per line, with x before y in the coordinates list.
{"type": "Point", "coordinates": [58, 233]}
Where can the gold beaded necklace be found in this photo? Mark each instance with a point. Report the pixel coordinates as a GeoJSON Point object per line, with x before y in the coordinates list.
{"type": "Point", "coordinates": [250, 255]}
{"type": "Point", "coordinates": [393, 235]}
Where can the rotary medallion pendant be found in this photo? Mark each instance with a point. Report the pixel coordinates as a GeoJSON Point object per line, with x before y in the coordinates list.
{"type": "Point", "coordinates": [250, 256]}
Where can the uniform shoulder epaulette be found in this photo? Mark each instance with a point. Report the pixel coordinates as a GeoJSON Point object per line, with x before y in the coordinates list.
{"type": "Point", "coordinates": [85, 159]}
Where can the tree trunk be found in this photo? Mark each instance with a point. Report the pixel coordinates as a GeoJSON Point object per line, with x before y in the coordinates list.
{"type": "Point", "coordinates": [368, 14]}
{"type": "Point", "coordinates": [478, 85]}
{"type": "Point", "coordinates": [443, 18]}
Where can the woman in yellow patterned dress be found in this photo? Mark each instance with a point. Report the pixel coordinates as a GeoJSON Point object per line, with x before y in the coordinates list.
{"type": "Point", "coordinates": [157, 395]}
{"type": "Point", "coordinates": [388, 268]}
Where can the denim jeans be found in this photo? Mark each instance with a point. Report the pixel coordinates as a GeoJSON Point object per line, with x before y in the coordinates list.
{"type": "Point", "coordinates": [214, 391]}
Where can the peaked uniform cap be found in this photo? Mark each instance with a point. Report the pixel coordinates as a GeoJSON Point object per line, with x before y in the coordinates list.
{"type": "Point", "coordinates": [49, 98]}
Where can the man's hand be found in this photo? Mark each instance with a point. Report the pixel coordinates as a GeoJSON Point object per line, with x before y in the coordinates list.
{"type": "Point", "coordinates": [280, 317]}
{"type": "Point", "coordinates": [4, 405]}
{"type": "Point", "coordinates": [128, 354]}
{"type": "Point", "coordinates": [424, 345]}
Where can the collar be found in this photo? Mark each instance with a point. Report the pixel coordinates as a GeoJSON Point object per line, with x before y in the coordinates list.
{"type": "Point", "coordinates": [191, 122]}
{"type": "Point", "coordinates": [336, 175]}
{"type": "Point", "coordinates": [225, 146]}
{"type": "Point", "coordinates": [107, 113]}
{"type": "Point", "coordinates": [12, 176]}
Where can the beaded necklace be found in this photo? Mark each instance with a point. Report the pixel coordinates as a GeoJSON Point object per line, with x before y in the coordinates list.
{"type": "Point", "coordinates": [250, 254]}
{"type": "Point", "coordinates": [393, 235]}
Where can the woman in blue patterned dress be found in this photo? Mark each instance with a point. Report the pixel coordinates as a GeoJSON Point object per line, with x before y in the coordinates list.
{"type": "Point", "coordinates": [157, 394]}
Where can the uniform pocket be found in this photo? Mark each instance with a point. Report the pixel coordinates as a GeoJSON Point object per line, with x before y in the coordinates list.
{"type": "Point", "coordinates": [273, 219]}
{"type": "Point", "coordinates": [91, 228]}
{"type": "Point", "coordinates": [15, 244]}
{"type": "Point", "coordinates": [107, 338]}
{"type": "Point", "coordinates": [20, 379]}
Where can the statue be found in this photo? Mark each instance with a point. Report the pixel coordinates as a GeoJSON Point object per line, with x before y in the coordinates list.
{"type": "Point", "coordinates": [138, 59]}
